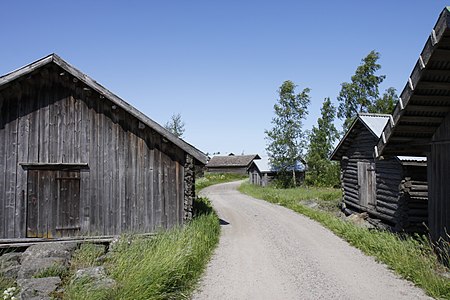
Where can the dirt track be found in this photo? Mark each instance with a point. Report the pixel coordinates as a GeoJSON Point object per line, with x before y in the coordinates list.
{"type": "Point", "coordinates": [269, 252]}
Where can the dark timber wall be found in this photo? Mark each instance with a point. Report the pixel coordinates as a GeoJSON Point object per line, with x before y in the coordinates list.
{"type": "Point", "coordinates": [389, 190]}
{"type": "Point", "coordinates": [74, 163]}
{"type": "Point", "coordinates": [439, 187]}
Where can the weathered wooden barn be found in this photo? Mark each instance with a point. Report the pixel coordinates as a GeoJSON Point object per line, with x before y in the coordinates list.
{"type": "Point", "coordinates": [420, 123]}
{"type": "Point", "coordinates": [262, 173]}
{"type": "Point", "coordinates": [78, 160]}
{"type": "Point", "coordinates": [237, 164]}
{"type": "Point", "coordinates": [393, 190]}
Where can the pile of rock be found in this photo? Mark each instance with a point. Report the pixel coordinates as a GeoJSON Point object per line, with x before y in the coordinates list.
{"type": "Point", "coordinates": [47, 258]}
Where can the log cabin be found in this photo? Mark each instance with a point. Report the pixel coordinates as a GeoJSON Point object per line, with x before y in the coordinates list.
{"type": "Point", "coordinates": [394, 190]}
{"type": "Point", "coordinates": [77, 160]}
{"type": "Point", "coordinates": [420, 123]}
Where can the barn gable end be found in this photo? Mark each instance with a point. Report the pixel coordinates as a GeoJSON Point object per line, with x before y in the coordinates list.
{"type": "Point", "coordinates": [81, 161]}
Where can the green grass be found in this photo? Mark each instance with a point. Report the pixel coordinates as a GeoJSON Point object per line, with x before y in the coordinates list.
{"type": "Point", "coordinates": [215, 178]}
{"type": "Point", "coordinates": [6, 283]}
{"type": "Point", "coordinates": [166, 266]}
{"type": "Point", "coordinates": [412, 258]}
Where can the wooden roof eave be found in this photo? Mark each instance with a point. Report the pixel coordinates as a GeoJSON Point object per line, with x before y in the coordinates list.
{"type": "Point", "coordinates": [188, 148]}
{"type": "Point", "coordinates": [388, 145]}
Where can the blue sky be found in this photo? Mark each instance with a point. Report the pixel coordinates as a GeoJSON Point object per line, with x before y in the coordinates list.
{"type": "Point", "coordinates": [219, 63]}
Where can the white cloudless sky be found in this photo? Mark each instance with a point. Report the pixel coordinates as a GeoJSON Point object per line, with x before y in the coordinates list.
{"type": "Point", "coordinates": [219, 63]}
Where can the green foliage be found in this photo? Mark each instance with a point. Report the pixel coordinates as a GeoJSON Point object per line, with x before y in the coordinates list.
{"type": "Point", "coordinates": [55, 270]}
{"type": "Point", "coordinates": [6, 283]}
{"type": "Point", "coordinates": [411, 257]}
{"type": "Point", "coordinates": [215, 178]}
{"type": "Point", "coordinates": [321, 171]}
{"type": "Point", "coordinates": [362, 94]}
{"type": "Point", "coordinates": [386, 103]}
{"type": "Point", "coordinates": [175, 125]}
{"type": "Point", "coordinates": [86, 256]}
{"type": "Point", "coordinates": [286, 139]}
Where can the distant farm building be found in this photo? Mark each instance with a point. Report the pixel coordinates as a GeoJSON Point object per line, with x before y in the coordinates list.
{"type": "Point", "coordinates": [78, 160]}
{"type": "Point", "coordinates": [421, 123]}
{"type": "Point", "coordinates": [237, 164]}
{"type": "Point", "coordinates": [262, 173]}
{"type": "Point", "coordinates": [393, 190]}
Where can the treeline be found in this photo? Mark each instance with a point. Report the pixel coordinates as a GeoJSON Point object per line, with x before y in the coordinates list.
{"type": "Point", "coordinates": [288, 143]}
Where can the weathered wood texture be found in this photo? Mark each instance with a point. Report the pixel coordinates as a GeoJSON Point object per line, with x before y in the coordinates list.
{"type": "Point", "coordinates": [439, 188]}
{"type": "Point", "coordinates": [386, 189]}
{"type": "Point", "coordinates": [134, 180]}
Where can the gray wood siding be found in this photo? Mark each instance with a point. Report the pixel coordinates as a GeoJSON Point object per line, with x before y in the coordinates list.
{"type": "Point", "coordinates": [401, 191]}
{"type": "Point", "coordinates": [439, 187]}
{"type": "Point", "coordinates": [134, 181]}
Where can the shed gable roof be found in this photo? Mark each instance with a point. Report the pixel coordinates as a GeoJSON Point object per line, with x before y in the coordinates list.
{"type": "Point", "coordinates": [55, 59]}
{"type": "Point", "coordinates": [425, 100]}
{"type": "Point", "coordinates": [374, 123]}
{"type": "Point", "coordinates": [232, 161]}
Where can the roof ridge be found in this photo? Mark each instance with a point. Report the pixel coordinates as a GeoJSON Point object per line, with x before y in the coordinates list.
{"type": "Point", "coordinates": [374, 114]}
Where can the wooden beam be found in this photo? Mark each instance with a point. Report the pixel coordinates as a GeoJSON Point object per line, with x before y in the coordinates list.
{"type": "Point", "coordinates": [440, 55]}
{"type": "Point", "coordinates": [415, 129]}
{"type": "Point", "coordinates": [428, 98]}
{"type": "Point", "coordinates": [420, 119]}
{"type": "Point", "coordinates": [433, 85]}
{"type": "Point", "coordinates": [427, 108]}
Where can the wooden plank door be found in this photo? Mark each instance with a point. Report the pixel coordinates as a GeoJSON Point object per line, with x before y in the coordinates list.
{"type": "Point", "coordinates": [367, 184]}
{"type": "Point", "coordinates": [53, 203]}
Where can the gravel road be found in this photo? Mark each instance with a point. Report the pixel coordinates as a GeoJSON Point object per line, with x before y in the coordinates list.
{"type": "Point", "coordinates": [269, 252]}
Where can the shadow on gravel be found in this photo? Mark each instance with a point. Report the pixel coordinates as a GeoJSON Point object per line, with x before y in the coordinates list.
{"type": "Point", "coordinates": [223, 222]}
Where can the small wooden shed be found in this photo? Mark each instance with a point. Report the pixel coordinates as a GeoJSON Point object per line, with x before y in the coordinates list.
{"type": "Point", "coordinates": [420, 123]}
{"type": "Point", "coordinates": [393, 190]}
{"type": "Point", "coordinates": [237, 164]}
{"type": "Point", "coordinates": [262, 173]}
{"type": "Point", "coordinates": [78, 160]}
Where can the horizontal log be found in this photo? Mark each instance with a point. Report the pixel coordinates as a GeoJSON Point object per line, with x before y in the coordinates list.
{"type": "Point", "coordinates": [373, 213]}
{"type": "Point", "coordinates": [392, 206]}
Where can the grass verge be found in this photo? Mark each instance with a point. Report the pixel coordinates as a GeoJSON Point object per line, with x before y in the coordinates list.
{"type": "Point", "coordinates": [166, 266]}
{"type": "Point", "coordinates": [411, 258]}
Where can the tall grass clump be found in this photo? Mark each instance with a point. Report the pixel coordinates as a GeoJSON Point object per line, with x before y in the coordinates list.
{"type": "Point", "coordinates": [166, 266]}
{"type": "Point", "coordinates": [411, 257]}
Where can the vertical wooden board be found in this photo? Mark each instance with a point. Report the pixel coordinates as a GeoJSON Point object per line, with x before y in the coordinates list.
{"type": "Point", "coordinates": [22, 156]}
{"type": "Point", "coordinates": [166, 193]}
{"type": "Point", "coordinates": [60, 124]}
{"type": "Point", "coordinates": [32, 203]}
{"type": "Point", "coordinates": [100, 170]}
{"type": "Point", "coordinates": [140, 185]}
{"type": "Point", "coordinates": [85, 147]}
{"type": "Point", "coordinates": [11, 166]}
{"type": "Point", "coordinates": [93, 159]}
{"type": "Point", "coordinates": [3, 171]}
{"type": "Point", "coordinates": [123, 154]}
{"type": "Point", "coordinates": [106, 176]}
{"type": "Point", "coordinates": [53, 129]}
{"type": "Point", "coordinates": [172, 192]}
{"type": "Point", "coordinates": [134, 181]}
{"type": "Point", "coordinates": [78, 128]}
{"type": "Point", "coordinates": [44, 127]}
{"type": "Point", "coordinates": [157, 182]}
{"type": "Point", "coordinates": [115, 197]}
{"type": "Point", "coordinates": [151, 185]}
{"type": "Point", "coordinates": [51, 209]}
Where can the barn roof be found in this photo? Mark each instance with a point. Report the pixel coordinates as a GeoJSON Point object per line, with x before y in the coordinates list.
{"type": "Point", "coordinates": [232, 161]}
{"type": "Point", "coordinates": [375, 123]}
{"type": "Point", "coordinates": [372, 122]}
{"type": "Point", "coordinates": [55, 59]}
{"type": "Point", "coordinates": [425, 100]}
